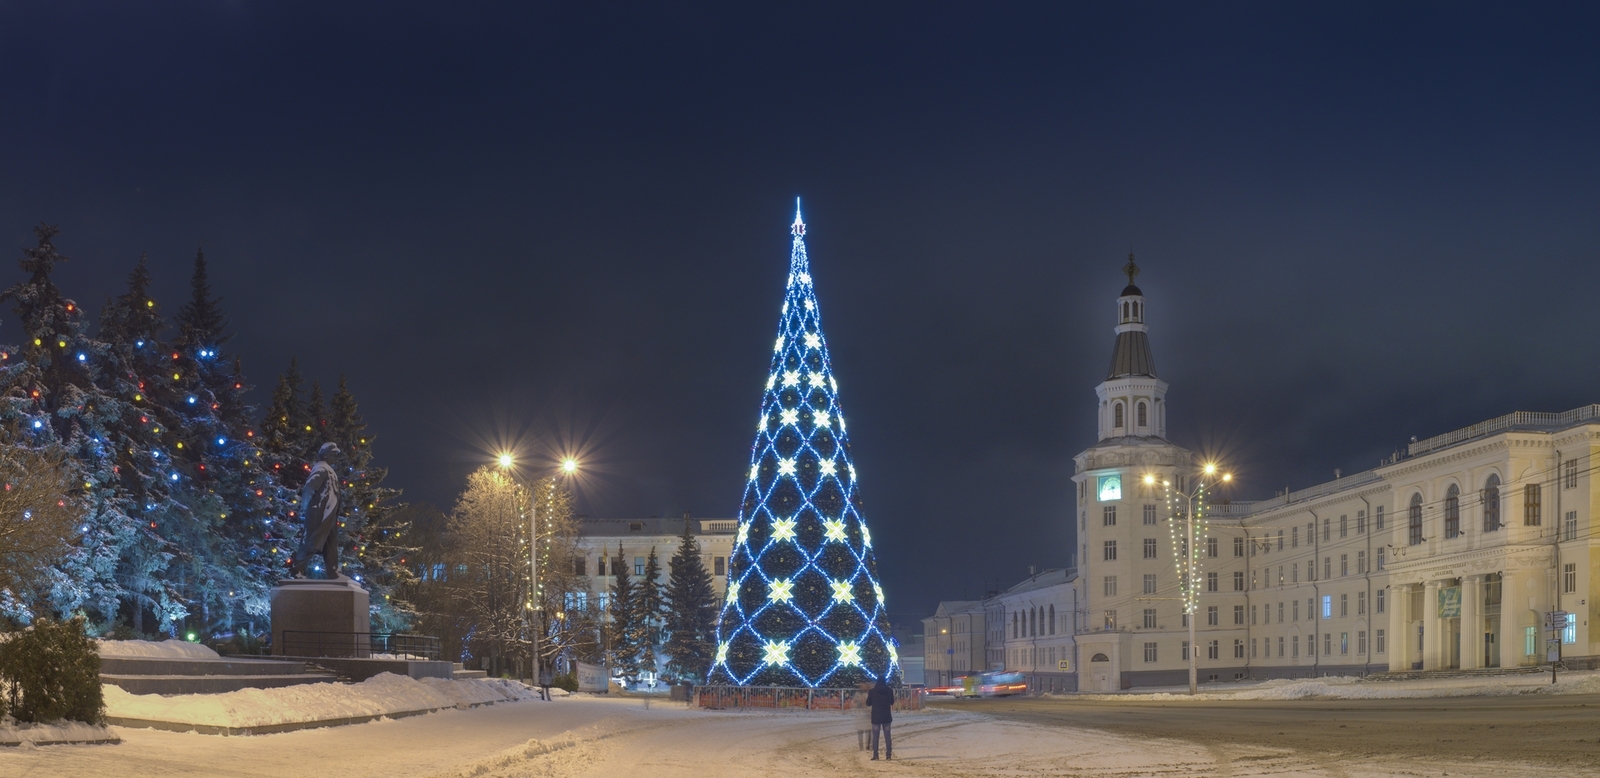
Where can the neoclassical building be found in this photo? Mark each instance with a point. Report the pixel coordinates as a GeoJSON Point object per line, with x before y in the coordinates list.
{"type": "Point", "coordinates": [1450, 555]}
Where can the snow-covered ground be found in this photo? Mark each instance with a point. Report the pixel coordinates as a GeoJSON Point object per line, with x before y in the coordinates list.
{"type": "Point", "coordinates": [589, 736]}
{"type": "Point", "coordinates": [1352, 688]}
{"type": "Point", "coordinates": [382, 695]}
{"type": "Point", "coordinates": [146, 649]}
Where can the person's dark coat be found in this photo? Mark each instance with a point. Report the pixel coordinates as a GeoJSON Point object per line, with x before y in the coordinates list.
{"type": "Point", "coordinates": [881, 701]}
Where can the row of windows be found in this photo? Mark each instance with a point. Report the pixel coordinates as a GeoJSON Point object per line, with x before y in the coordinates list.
{"type": "Point", "coordinates": [1034, 622]}
{"type": "Point", "coordinates": [1263, 577]}
{"type": "Point", "coordinates": [1292, 644]}
{"type": "Point", "coordinates": [1328, 607]}
{"type": "Point", "coordinates": [1213, 650]}
{"type": "Point", "coordinates": [1141, 411]}
{"type": "Point", "coordinates": [1532, 508]}
{"type": "Point", "coordinates": [580, 566]}
{"type": "Point", "coordinates": [1047, 657]}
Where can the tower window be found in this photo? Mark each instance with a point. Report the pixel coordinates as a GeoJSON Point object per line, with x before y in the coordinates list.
{"type": "Point", "coordinates": [1124, 311]}
{"type": "Point", "coordinates": [1117, 419]}
{"type": "Point", "coordinates": [1144, 419]}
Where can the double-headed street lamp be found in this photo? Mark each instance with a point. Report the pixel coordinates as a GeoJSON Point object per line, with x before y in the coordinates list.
{"type": "Point", "coordinates": [1193, 505]}
{"type": "Point", "coordinates": [535, 601]}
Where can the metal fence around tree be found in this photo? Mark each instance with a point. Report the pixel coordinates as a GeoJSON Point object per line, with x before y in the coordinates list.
{"type": "Point", "coordinates": [769, 697]}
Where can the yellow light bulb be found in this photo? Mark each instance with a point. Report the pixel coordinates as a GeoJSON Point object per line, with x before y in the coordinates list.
{"type": "Point", "coordinates": [149, 303]}
{"type": "Point", "coordinates": [138, 397]}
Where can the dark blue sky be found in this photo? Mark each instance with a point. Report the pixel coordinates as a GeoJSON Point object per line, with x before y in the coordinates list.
{"type": "Point", "coordinates": [1357, 224]}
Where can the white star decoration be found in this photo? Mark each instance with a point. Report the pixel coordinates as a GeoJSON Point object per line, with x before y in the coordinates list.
{"type": "Point", "coordinates": [779, 346]}
{"type": "Point", "coordinates": [834, 529]}
{"type": "Point", "coordinates": [791, 378]}
{"type": "Point", "coordinates": [894, 656]}
{"type": "Point", "coordinates": [788, 416]}
{"type": "Point", "coordinates": [805, 279]}
{"type": "Point", "coordinates": [866, 537]}
{"type": "Point", "coordinates": [744, 532]}
{"type": "Point", "coordinates": [821, 418]}
{"type": "Point", "coordinates": [828, 465]}
{"type": "Point", "coordinates": [761, 426]}
{"type": "Point", "coordinates": [772, 379]}
{"type": "Point", "coordinates": [783, 529]}
{"type": "Point", "coordinates": [785, 308]}
{"type": "Point", "coordinates": [812, 341]}
{"type": "Point", "coordinates": [781, 591]}
{"type": "Point", "coordinates": [810, 305]}
{"type": "Point", "coordinates": [755, 470]}
{"type": "Point", "coordinates": [849, 653]}
{"type": "Point", "coordinates": [733, 591]}
{"type": "Point", "coordinates": [786, 466]}
{"type": "Point", "coordinates": [777, 652]}
{"type": "Point", "coordinates": [816, 380]}
{"type": "Point", "coordinates": [878, 590]}
{"type": "Point", "coordinates": [722, 652]}
{"type": "Point", "coordinates": [841, 591]}
{"type": "Point", "coordinates": [831, 380]}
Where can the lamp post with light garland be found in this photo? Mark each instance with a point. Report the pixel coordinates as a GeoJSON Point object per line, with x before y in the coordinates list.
{"type": "Point", "coordinates": [535, 603]}
{"type": "Point", "coordinates": [1192, 505]}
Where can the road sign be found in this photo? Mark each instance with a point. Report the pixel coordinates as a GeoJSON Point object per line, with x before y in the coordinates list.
{"type": "Point", "coordinates": [1556, 619]}
{"type": "Point", "coordinates": [950, 651]}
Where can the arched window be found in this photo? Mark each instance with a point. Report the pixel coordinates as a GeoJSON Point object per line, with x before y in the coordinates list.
{"type": "Point", "coordinates": [1144, 418]}
{"type": "Point", "coordinates": [1033, 622]}
{"type": "Point", "coordinates": [1099, 658]}
{"type": "Point", "coordinates": [1014, 616]}
{"type": "Point", "coordinates": [1452, 512]}
{"type": "Point", "coordinates": [1124, 311]}
{"type": "Point", "coordinates": [1052, 619]}
{"type": "Point", "coordinates": [1117, 416]}
{"type": "Point", "coordinates": [1414, 513]}
{"type": "Point", "coordinates": [1491, 503]}
{"type": "Point", "coordinates": [1135, 310]}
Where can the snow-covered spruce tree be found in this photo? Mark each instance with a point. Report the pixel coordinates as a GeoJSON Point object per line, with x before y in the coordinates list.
{"type": "Point", "coordinates": [804, 607]}
{"type": "Point", "coordinates": [284, 428]}
{"type": "Point", "coordinates": [137, 371]}
{"type": "Point", "coordinates": [50, 395]}
{"type": "Point", "coordinates": [650, 612]}
{"type": "Point", "coordinates": [691, 617]}
{"type": "Point", "coordinates": [623, 628]}
{"type": "Point", "coordinates": [222, 478]}
{"type": "Point", "coordinates": [375, 545]}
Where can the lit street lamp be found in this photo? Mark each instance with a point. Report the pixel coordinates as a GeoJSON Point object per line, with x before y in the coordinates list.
{"type": "Point", "coordinates": [1193, 506]}
{"type": "Point", "coordinates": [535, 591]}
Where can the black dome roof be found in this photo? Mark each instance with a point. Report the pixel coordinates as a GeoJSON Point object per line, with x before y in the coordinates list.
{"type": "Point", "coordinates": [1131, 291]}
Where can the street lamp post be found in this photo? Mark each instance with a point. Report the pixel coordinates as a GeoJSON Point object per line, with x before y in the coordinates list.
{"type": "Point", "coordinates": [535, 603]}
{"type": "Point", "coordinates": [1194, 507]}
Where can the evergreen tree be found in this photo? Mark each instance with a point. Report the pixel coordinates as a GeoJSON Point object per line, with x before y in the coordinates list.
{"type": "Point", "coordinates": [282, 430]}
{"type": "Point", "coordinates": [804, 607]}
{"type": "Point", "coordinates": [375, 542]}
{"type": "Point", "coordinates": [691, 619]}
{"type": "Point", "coordinates": [649, 618]}
{"type": "Point", "coordinates": [52, 397]}
{"type": "Point", "coordinates": [624, 629]}
{"type": "Point", "coordinates": [237, 507]}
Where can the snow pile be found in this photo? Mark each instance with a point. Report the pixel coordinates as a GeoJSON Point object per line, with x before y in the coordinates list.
{"type": "Point", "coordinates": [13, 733]}
{"type": "Point", "coordinates": [476, 691]}
{"type": "Point", "coordinates": [1353, 688]}
{"type": "Point", "coordinates": [145, 649]}
{"type": "Point", "coordinates": [382, 695]}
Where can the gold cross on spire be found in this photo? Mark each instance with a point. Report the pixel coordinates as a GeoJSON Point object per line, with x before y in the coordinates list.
{"type": "Point", "coordinates": [1131, 269]}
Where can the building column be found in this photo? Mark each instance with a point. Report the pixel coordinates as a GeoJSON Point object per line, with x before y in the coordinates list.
{"type": "Point", "coordinates": [1512, 604]}
{"type": "Point", "coordinates": [1471, 621]}
{"type": "Point", "coordinates": [1430, 626]}
{"type": "Point", "coordinates": [1399, 616]}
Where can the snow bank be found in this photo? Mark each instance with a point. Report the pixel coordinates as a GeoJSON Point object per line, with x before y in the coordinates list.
{"type": "Point", "coordinates": [12, 733]}
{"type": "Point", "coordinates": [382, 695]}
{"type": "Point", "coordinates": [1353, 688]}
{"type": "Point", "coordinates": [145, 649]}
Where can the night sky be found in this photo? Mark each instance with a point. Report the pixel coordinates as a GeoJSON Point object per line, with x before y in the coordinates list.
{"type": "Point", "coordinates": [568, 227]}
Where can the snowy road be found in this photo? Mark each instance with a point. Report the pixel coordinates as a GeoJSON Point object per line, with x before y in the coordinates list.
{"type": "Point", "coordinates": [612, 737]}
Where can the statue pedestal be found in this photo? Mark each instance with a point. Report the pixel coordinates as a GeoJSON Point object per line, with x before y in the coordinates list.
{"type": "Point", "coordinates": [320, 618]}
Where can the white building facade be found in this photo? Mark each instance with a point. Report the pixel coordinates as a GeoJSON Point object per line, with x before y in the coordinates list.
{"type": "Point", "coordinates": [1449, 556]}
{"type": "Point", "coordinates": [606, 544]}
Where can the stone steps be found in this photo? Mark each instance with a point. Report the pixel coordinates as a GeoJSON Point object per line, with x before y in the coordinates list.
{"type": "Point", "coordinates": [137, 675]}
{"type": "Point", "coordinates": [458, 672]}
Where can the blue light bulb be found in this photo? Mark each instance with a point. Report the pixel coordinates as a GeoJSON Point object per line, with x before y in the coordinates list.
{"type": "Point", "coordinates": [191, 399]}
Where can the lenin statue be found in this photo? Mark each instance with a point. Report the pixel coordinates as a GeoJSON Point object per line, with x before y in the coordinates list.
{"type": "Point", "coordinates": [319, 509]}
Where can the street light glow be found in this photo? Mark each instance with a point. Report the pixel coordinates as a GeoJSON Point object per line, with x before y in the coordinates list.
{"type": "Point", "coordinates": [505, 460]}
{"type": "Point", "coordinates": [1227, 476]}
{"type": "Point", "coordinates": [1210, 468]}
{"type": "Point", "coordinates": [569, 465]}
{"type": "Point", "coordinates": [1149, 479]}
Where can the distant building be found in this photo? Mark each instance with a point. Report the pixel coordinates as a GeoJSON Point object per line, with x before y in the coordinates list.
{"type": "Point", "coordinates": [1030, 628]}
{"type": "Point", "coordinates": [953, 641]}
{"type": "Point", "coordinates": [600, 540]}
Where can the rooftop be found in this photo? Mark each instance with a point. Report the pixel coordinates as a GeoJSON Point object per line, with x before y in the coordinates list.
{"type": "Point", "coordinates": [655, 526]}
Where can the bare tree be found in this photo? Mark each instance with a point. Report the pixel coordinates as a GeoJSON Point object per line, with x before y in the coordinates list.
{"type": "Point", "coordinates": [38, 514]}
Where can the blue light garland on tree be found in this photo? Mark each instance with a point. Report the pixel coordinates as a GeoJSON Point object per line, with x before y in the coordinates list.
{"type": "Point", "coordinates": [804, 606]}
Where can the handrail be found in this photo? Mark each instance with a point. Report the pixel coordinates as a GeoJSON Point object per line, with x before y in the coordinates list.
{"type": "Point", "coordinates": [359, 645]}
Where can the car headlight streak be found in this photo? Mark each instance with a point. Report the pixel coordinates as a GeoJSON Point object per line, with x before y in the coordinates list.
{"type": "Point", "coordinates": [803, 605]}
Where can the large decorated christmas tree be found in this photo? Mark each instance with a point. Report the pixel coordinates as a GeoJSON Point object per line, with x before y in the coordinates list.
{"type": "Point", "coordinates": [803, 607]}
